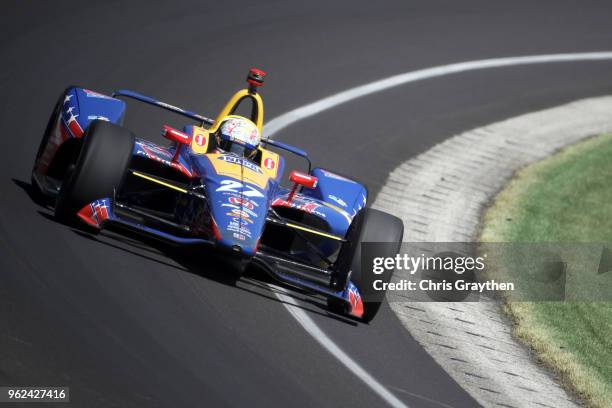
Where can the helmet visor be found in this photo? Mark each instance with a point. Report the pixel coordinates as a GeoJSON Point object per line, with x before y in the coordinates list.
{"type": "Point", "coordinates": [237, 148]}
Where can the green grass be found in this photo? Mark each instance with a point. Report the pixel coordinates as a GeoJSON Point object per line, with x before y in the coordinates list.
{"type": "Point", "coordinates": [566, 198]}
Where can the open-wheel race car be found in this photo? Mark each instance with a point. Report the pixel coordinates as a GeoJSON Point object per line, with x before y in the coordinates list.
{"type": "Point", "coordinates": [217, 183]}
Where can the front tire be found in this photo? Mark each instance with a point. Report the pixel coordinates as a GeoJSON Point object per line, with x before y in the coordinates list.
{"type": "Point", "coordinates": [37, 193]}
{"type": "Point", "coordinates": [370, 225]}
{"type": "Point", "coordinates": [99, 170]}
{"type": "Point", "coordinates": [51, 123]}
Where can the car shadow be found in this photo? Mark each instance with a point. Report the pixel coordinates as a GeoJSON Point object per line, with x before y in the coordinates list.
{"type": "Point", "coordinates": [123, 248]}
{"type": "Point", "coordinates": [33, 193]}
{"type": "Point", "coordinates": [254, 280]}
{"type": "Point", "coordinates": [314, 304]}
{"type": "Point", "coordinates": [188, 260]}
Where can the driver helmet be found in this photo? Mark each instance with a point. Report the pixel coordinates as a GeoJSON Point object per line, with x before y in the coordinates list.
{"type": "Point", "coordinates": [239, 135]}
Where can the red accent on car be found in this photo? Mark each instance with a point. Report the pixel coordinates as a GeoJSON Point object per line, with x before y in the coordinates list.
{"type": "Point", "coordinates": [75, 128]}
{"type": "Point", "coordinates": [63, 131]}
{"type": "Point", "coordinates": [241, 201]}
{"type": "Point", "coordinates": [356, 305]}
{"type": "Point", "coordinates": [87, 215]}
{"type": "Point", "coordinates": [256, 77]}
{"type": "Point", "coordinates": [269, 163]}
{"type": "Point", "coordinates": [215, 229]}
{"type": "Point", "coordinates": [302, 179]}
{"type": "Point", "coordinates": [200, 139]}
{"type": "Point", "coordinates": [176, 136]}
{"type": "Point", "coordinates": [93, 215]}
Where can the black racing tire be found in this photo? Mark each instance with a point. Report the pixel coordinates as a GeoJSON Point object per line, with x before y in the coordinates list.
{"type": "Point", "coordinates": [100, 168]}
{"type": "Point", "coordinates": [370, 225]}
{"type": "Point", "coordinates": [336, 306]}
{"type": "Point", "coordinates": [51, 123]}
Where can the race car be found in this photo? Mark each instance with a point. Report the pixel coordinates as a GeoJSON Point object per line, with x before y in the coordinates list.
{"type": "Point", "coordinates": [201, 189]}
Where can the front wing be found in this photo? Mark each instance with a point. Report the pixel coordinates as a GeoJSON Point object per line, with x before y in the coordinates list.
{"type": "Point", "coordinates": [101, 212]}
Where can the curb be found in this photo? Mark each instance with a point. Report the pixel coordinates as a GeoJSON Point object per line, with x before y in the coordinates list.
{"type": "Point", "coordinates": [440, 196]}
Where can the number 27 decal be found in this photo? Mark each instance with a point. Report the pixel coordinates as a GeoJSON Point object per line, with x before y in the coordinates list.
{"type": "Point", "coordinates": [234, 186]}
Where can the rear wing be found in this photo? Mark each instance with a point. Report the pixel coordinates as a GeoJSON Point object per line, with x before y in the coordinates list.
{"type": "Point", "coordinates": [146, 99]}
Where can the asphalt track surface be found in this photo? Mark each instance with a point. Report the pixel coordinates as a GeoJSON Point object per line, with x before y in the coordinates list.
{"type": "Point", "coordinates": [126, 323]}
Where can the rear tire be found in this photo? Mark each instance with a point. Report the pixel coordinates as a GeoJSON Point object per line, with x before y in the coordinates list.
{"type": "Point", "coordinates": [370, 225]}
{"type": "Point", "coordinates": [99, 170]}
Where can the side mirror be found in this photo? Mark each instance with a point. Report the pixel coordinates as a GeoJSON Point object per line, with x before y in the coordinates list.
{"type": "Point", "coordinates": [176, 136]}
{"type": "Point", "coordinates": [301, 179]}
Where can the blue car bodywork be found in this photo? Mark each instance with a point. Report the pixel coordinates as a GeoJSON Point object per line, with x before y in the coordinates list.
{"type": "Point", "coordinates": [193, 193]}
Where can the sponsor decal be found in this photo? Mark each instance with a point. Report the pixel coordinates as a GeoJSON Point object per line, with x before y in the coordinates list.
{"type": "Point", "coordinates": [238, 236]}
{"type": "Point", "coordinates": [238, 227]}
{"type": "Point", "coordinates": [200, 139]}
{"type": "Point", "coordinates": [168, 106]}
{"type": "Point", "coordinates": [335, 176]}
{"type": "Point", "coordinates": [337, 199]}
{"type": "Point", "coordinates": [230, 158]}
{"type": "Point", "coordinates": [151, 152]}
{"type": "Point", "coordinates": [243, 202]}
{"type": "Point", "coordinates": [309, 207]}
{"type": "Point", "coordinates": [251, 214]}
{"type": "Point", "coordinates": [95, 117]}
{"type": "Point", "coordinates": [269, 163]}
{"type": "Point", "coordinates": [341, 211]}
{"type": "Point", "coordinates": [92, 94]}
{"type": "Point", "coordinates": [234, 186]}
{"type": "Point", "coordinates": [236, 212]}
{"type": "Point", "coordinates": [233, 166]}
{"type": "Point", "coordinates": [153, 149]}
{"type": "Point", "coordinates": [244, 217]}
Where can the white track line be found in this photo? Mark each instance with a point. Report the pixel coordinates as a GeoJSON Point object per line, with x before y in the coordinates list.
{"type": "Point", "coordinates": [449, 210]}
{"type": "Point", "coordinates": [311, 327]}
{"type": "Point", "coordinates": [332, 101]}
